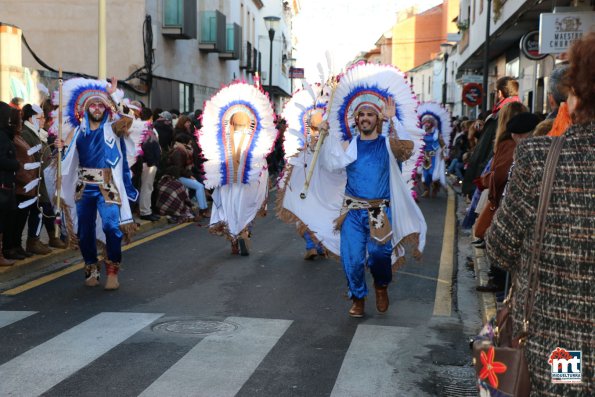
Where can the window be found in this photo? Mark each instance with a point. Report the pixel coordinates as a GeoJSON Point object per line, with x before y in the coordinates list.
{"type": "Point", "coordinates": [212, 31]}
{"type": "Point", "coordinates": [233, 42]}
{"type": "Point", "coordinates": [186, 98]}
{"type": "Point", "coordinates": [179, 19]}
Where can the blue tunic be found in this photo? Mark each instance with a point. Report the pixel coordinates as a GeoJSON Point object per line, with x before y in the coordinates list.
{"type": "Point", "coordinates": [90, 146]}
{"type": "Point", "coordinates": [431, 145]}
{"type": "Point", "coordinates": [368, 178]}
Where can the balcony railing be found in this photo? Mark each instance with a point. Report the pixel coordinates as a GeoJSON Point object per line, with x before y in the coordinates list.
{"type": "Point", "coordinates": [233, 42]}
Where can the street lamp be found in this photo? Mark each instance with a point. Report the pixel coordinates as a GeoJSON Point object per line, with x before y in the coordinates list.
{"type": "Point", "coordinates": [445, 48]}
{"type": "Point", "coordinates": [271, 23]}
{"type": "Point", "coordinates": [291, 62]}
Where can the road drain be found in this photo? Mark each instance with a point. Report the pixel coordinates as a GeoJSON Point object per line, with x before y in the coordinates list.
{"type": "Point", "coordinates": [196, 327]}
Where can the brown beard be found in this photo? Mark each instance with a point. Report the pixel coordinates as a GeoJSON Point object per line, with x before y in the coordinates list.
{"type": "Point", "coordinates": [92, 117]}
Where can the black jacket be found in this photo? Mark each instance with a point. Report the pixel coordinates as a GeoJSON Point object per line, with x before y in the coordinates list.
{"type": "Point", "coordinates": [8, 161]}
{"type": "Point", "coordinates": [482, 153]}
{"type": "Point", "coordinates": [151, 151]}
{"type": "Point", "coordinates": [166, 134]}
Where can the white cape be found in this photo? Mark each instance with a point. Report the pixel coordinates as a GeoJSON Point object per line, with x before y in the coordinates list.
{"type": "Point", "coordinates": [235, 205]}
{"type": "Point", "coordinates": [323, 201]}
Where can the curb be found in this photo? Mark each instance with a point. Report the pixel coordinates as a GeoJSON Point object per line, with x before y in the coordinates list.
{"type": "Point", "coordinates": [487, 300]}
{"type": "Point", "coordinates": [40, 265]}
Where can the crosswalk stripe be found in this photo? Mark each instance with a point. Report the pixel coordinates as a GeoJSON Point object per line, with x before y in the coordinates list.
{"type": "Point", "coordinates": [367, 368]}
{"type": "Point", "coordinates": [220, 364]}
{"type": "Point", "coordinates": [39, 369]}
{"type": "Point", "coordinates": [9, 317]}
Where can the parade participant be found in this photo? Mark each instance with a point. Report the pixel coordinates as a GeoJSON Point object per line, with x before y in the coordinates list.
{"type": "Point", "coordinates": [379, 215]}
{"type": "Point", "coordinates": [96, 175]}
{"type": "Point", "coordinates": [435, 121]}
{"type": "Point", "coordinates": [238, 133]}
{"type": "Point", "coordinates": [36, 137]}
{"type": "Point", "coordinates": [304, 114]}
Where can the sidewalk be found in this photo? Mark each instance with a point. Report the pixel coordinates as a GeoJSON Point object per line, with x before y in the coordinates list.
{"type": "Point", "coordinates": [481, 267]}
{"type": "Point", "coordinates": [39, 265]}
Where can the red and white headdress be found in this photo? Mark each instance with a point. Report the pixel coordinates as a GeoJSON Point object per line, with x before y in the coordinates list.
{"type": "Point", "coordinates": [78, 92]}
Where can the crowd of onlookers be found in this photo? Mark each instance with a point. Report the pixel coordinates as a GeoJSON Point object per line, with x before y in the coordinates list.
{"type": "Point", "coordinates": [498, 161]}
{"type": "Point", "coordinates": [168, 173]}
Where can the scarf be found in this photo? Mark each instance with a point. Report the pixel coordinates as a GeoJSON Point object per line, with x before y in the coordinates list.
{"type": "Point", "coordinates": [503, 102]}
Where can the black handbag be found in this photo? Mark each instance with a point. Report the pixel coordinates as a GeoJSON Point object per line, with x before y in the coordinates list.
{"type": "Point", "coordinates": [499, 357]}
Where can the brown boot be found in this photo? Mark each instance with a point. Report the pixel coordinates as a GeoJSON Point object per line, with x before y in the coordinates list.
{"type": "Point", "coordinates": [37, 247]}
{"type": "Point", "coordinates": [311, 254]}
{"type": "Point", "coordinates": [244, 243]}
{"type": "Point", "coordinates": [435, 188]}
{"type": "Point", "coordinates": [3, 260]}
{"type": "Point", "coordinates": [235, 248]}
{"type": "Point", "coordinates": [55, 242]}
{"type": "Point", "coordinates": [381, 298]}
{"type": "Point", "coordinates": [357, 309]}
{"type": "Point", "coordinates": [111, 281]}
{"type": "Point", "coordinates": [92, 275]}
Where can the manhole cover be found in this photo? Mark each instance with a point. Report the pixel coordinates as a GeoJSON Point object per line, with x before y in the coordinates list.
{"type": "Point", "coordinates": [196, 327]}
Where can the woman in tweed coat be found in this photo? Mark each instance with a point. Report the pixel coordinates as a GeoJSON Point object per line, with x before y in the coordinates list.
{"type": "Point", "coordinates": [564, 311]}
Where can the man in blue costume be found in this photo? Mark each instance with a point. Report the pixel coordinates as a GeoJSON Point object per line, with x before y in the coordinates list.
{"type": "Point", "coordinates": [367, 215]}
{"type": "Point", "coordinates": [96, 176]}
{"type": "Point", "coordinates": [432, 156]}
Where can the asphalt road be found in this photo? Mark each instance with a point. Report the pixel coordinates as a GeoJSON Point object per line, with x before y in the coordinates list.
{"type": "Point", "coordinates": [191, 319]}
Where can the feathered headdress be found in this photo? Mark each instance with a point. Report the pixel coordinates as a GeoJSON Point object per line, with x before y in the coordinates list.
{"type": "Point", "coordinates": [297, 114]}
{"type": "Point", "coordinates": [441, 117]}
{"type": "Point", "coordinates": [215, 135]}
{"type": "Point", "coordinates": [371, 84]}
{"type": "Point", "coordinates": [77, 93]}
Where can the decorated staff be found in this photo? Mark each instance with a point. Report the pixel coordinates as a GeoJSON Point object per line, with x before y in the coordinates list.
{"type": "Point", "coordinates": [59, 157]}
{"type": "Point", "coordinates": [237, 135]}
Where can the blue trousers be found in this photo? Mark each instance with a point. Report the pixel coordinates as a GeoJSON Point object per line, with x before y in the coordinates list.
{"type": "Point", "coordinates": [86, 208]}
{"type": "Point", "coordinates": [310, 244]}
{"type": "Point", "coordinates": [355, 243]}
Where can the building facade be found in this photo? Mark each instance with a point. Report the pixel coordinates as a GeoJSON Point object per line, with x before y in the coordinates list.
{"type": "Point", "coordinates": [171, 54]}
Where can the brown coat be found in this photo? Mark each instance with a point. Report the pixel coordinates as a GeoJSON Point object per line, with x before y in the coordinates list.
{"type": "Point", "coordinates": [24, 176]}
{"type": "Point", "coordinates": [564, 312]}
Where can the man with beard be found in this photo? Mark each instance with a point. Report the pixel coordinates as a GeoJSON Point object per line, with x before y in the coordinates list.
{"type": "Point", "coordinates": [96, 176]}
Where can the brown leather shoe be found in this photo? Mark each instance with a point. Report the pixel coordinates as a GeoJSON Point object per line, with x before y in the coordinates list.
{"type": "Point", "coordinates": [381, 298]}
{"type": "Point", "coordinates": [37, 247]}
{"type": "Point", "coordinates": [55, 242]}
{"type": "Point", "coordinates": [310, 254]}
{"type": "Point", "coordinates": [92, 275]}
{"type": "Point", "coordinates": [357, 309]}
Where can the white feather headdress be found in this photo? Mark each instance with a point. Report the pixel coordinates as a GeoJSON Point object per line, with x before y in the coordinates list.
{"type": "Point", "coordinates": [297, 113]}
{"type": "Point", "coordinates": [441, 117]}
{"type": "Point", "coordinates": [215, 134]}
{"type": "Point", "coordinates": [371, 84]}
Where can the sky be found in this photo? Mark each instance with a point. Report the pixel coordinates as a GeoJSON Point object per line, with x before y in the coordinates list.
{"type": "Point", "coordinates": [344, 28]}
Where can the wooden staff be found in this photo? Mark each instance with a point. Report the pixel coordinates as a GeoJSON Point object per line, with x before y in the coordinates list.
{"type": "Point", "coordinates": [59, 163]}
{"type": "Point", "coordinates": [304, 192]}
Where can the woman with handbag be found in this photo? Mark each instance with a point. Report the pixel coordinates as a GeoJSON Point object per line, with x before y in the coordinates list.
{"type": "Point", "coordinates": [8, 167]}
{"type": "Point", "coordinates": [553, 262]}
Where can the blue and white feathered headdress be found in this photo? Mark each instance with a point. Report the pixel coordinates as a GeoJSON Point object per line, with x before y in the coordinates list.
{"type": "Point", "coordinates": [297, 114]}
{"type": "Point", "coordinates": [371, 84]}
{"type": "Point", "coordinates": [77, 92]}
{"type": "Point", "coordinates": [215, 135]}
{"type": "Point", "coordinates": [441, 117]}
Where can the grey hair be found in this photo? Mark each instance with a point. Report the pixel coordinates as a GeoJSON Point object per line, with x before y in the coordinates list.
{"type": "Point", "coordinates": [555, 86]}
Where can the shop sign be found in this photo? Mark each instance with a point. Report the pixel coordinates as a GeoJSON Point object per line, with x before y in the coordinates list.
{"type": "Point", "coordinates": [557, 31]}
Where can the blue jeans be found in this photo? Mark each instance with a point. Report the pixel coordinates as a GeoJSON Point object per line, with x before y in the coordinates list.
{"type": "Point", "coordinates": [199, 189]}
{"type": "Point", "coordinates": [456, 167]}
{"type": "Point", "coordinates": [86, 209]}
{"type": "Point", "coordinates": [355, 242]}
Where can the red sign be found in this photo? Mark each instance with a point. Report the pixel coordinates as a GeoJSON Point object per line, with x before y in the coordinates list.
{"type": "Point", "coordinates": [296, 73]}
{"type": "Point", "coordinates": [472, 94]}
